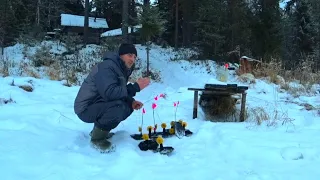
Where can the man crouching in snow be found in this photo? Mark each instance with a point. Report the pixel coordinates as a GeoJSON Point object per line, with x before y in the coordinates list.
{"type": "Point", "coordinates": [105, 98]}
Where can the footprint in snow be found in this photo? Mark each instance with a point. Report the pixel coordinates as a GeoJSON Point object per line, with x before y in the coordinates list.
{"type": "Point", "coordinates": [82, 139]}
{"type": "Point", "coordinates": [291, 153]}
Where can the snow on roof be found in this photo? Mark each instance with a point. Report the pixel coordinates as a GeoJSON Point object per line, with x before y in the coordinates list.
{"type": "Point", "coordinates": [249, 59]}
{"type": "Point", "coordinates": [116, 32]}
{"type": "Point", "coordinates": [76, 20]}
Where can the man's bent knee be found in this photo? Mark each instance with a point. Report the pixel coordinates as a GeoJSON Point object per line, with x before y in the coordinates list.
{"type": "Point", "coordinates": [112, 116]}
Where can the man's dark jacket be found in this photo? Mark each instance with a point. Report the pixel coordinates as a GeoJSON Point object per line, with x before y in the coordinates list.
{"type": "Point", "coordinates": [107, 82]}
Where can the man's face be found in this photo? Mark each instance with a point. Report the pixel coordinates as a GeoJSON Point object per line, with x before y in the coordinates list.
{"type": "Point", "coordinates": [129, 59]}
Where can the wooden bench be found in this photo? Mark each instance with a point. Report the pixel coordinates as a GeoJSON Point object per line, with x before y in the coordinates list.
{"type": "Point", "coordinates": [220, 89]}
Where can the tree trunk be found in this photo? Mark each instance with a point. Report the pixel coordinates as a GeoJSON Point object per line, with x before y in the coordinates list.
{"type": "Point", "coordinates": [148, 60]}
{"type": "Point", "coordinates": [132, 15]}
{"type": "Point", "coordinates": [49, 15]}
{"type": "Point", "coordinates": [176, 26]}
{"type": "Point", "coordinates": [125, 17]}
{"type": "Point", "coordinates": [38, 13]}
{"type": "Point", "coordinates": [186, 25]}
{"type": "Point", "coordinates": [146, 2]}
{"type": "Point", "coordinates": [3, 28]}
{"type": "Point", "coordinates": [86, 22]}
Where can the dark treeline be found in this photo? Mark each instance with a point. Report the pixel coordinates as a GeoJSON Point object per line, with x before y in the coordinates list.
{"type": "Point", "coordinates": [220, 29]}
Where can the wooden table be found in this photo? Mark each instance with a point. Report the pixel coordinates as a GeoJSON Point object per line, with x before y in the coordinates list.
{"type": "Point", "coordinates": [220, 89]}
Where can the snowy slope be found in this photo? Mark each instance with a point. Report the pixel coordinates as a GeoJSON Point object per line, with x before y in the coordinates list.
{"type": "Point", "coordinates": [41, 137]}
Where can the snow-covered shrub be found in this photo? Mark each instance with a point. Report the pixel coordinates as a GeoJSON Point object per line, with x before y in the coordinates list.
{"type": "Point", "coordinates": [70, 67]}
{"type": "Point", "coordinates": [54, 71]}
{"type": "Point", "coordinates": [110, 44]}
{"type": "Point", "coordinates": [42, 57]}
{"type": "Point", "coordinates": [247, 78]}
{"type": "Point", "coordinates": [153, 74]}
{"type": "Point", "coordinates": [142, 72]}
{"type": "Point", "coordinates": [184, 54]}
{"type": "Point", "coordinates": [26, 69]}
{"type": "Point", "coordinates": [296, 89]}
{"type": "Point", "coordinates": [25, 86]}
{"type": "Point", "coordinates": [72, 43]}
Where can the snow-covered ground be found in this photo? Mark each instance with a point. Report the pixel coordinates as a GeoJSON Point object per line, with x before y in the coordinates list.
{"type": "Point", "coordinates": [41, 138]}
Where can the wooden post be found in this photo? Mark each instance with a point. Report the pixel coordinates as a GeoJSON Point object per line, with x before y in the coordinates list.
{"type": "Point", "coordinates": [195, 104]}
{"type": "Point", "coordinates": [148, 60]}
{"type": "Point", "coordinates": [243, 106]}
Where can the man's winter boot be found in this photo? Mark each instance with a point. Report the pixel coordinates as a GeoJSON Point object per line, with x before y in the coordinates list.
{"type": "Point", "coordinates": [110, 134]}
{"type": "Point", "coordinates": [99, 140]}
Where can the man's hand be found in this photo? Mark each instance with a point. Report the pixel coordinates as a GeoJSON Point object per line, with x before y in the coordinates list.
{"type": "Point", "coordinates": [143, 82]}
{"type": "Point", "coordinates": [137, 105]}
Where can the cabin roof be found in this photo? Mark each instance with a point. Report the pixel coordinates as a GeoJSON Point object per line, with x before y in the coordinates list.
{"type": "Point", "coordinates": [76, 20]}
{"type": "Point", "coordinates": [118, 31]}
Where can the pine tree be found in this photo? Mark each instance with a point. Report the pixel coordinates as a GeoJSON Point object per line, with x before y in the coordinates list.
{"type": "Point", "coordinates": [153, 23]}
{"type": "Point", "coordinates": [188, 17]}
{"type": "Point", "coordinates": [303, 35]}
{"type": "Point", "coordinates": [266, 28]}
{"type": "Point", "coordinates": [168, 13]}
{"type": "Point", "coordinates": [9, 24]}
{"type": "Point", "coordinates": [288, 34]}
{"type": "Point", "coordinates": [315, 17]}
{"type": "Point", "coordinates": [238, 33]}
{"type": "Point", "coordinates": [210, 28]}
{"type": "Point", "coordinates": [133, 14]}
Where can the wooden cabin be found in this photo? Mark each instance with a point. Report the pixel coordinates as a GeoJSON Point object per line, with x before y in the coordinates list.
{"type": "Point", "coordinates": [116, 34]}
{"type": "Point", "coordinates": [248, 64]}
{"type": "Point", "coordinates": [74, 25]}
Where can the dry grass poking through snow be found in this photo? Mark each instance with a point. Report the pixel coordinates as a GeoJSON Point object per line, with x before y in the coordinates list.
{"type": "Point", "coordinates": [270, 70]}
{"type": "Point", "coordinates": [271, 118]}
{"type": "Point", "coordinates": [6, 101]}
{"type": "Point", "coordinates": [54, 72]}
{"type": "Point", "coordinates": [274, 72]}
{"type": "Point", "coordinates": [5, 65]}
{"type": "Point", "coordinates": [259, 115]}
{"type": "Point", "coordinates": [27, 69]}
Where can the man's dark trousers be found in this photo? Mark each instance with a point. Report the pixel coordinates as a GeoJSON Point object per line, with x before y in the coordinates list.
{"type": "Point", "coordinates": [106, 115]}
